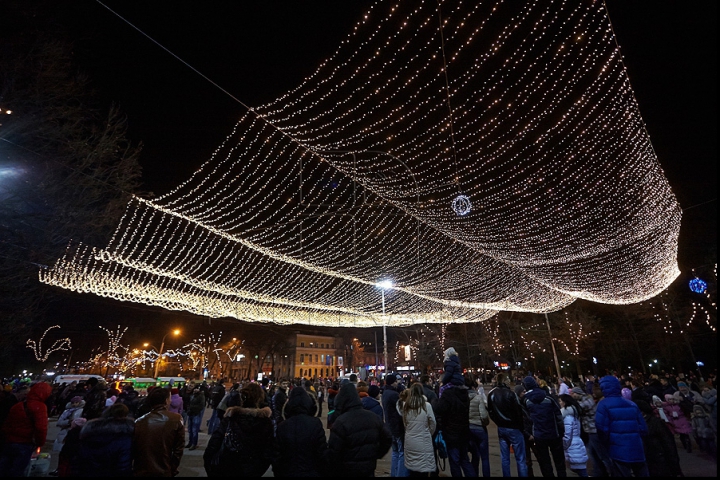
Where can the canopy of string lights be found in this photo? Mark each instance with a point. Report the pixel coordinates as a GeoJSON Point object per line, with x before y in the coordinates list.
{"type": "Point", "coordinates": [484, 156]}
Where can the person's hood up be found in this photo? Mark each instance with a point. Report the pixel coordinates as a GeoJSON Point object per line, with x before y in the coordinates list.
{"type": "Point", "coordinates": [101, 430]}
{"type": "Point", "coordinates": [535, 395]}
{"type": "Point", "coordinates": [450, 352]}
{"type": "Point", "coordinates": [610, 386]}
{"type": "Point", "coordinates": [699, 411]}
{"type": "Point", "coordinates": [39, 392]}
{"type": "Point", "coordinates": [529, 383]}
{"type": "Point", "coordinates": [347, 399]}
{"type": "Point", "coordinates": [299, 403]}
{"type": "Point", "coordinates": [568, 411]}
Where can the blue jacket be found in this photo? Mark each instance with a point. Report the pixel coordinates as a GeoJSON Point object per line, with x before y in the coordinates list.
{"type": "Point", "coordinates": [373, 405]}
{"type": "Point", "coordinates": [620, 424]}
{"type": "Point", "coordinates": [453, 371]}
{"type": "Point", "coordinates": [544, 412]}
{"type": "Point", "coordinates": [106, 448]}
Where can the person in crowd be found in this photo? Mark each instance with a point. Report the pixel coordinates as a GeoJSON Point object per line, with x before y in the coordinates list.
{"type": "Point", "coordinates": [453, 374]}
{"type": "Point", "coordinates": [702, 430]}
{"type": "Point", "coordinates": [69, 461]}
{"type": "Point", "coordinates": [621, 426]}
{"type": "Point", "coordinates": [131, 399]}
{"type": "Point", "coordinates": [332, 392]}
{"type": "Point", "coordinates": [679, 423]}
{"type": "Point", "coordinates": [279, 399]}
{"type": "Point", "coordinates": [626, 393]}
{"type": "Point", "coordinates": [310, 390]}
{"type": "Point", "coordinates": [231, 399]}
{"type": "Point", "coordinates": [393, 420]}
{"type": "Point", "coordinates": [158, 438]}
{"type": "Point", "coordinates": [564, 386]}
{"type": "Point", "coordinates": [14, 396]}
{"type": "Point", "coordinates": [176, 401]}
{"type": "Point", "coordinates": [428, 389]}
{"type": "Point", "coordinates": [505, 411]}
{"type": "Point", "coordinates": [186, 393]}
{"type": "Point", "coordinates": [95, 398]}
{"type": "Point", "coordinates": [710, 397]}
{"type": "Point", "coordinates": [300, 440]}
{"type": "Point", "coordinates": [371, 402]}
{"type": "Point", "coordinates": [601, 463]}
{"type": "Point", "coordinates": [661, 453]}
{"type": "Point", "coordinates": [479, 420]}
{"type": "Point", "coordinates": [575, 453]}
{"type": "Point", "coordinates": [548, 428]}
{"type": "Point", "coordinates": [106, 444]}
{"type": "Point", "coordinates": [217, 393]}
{"type": "Point", "coordinates": [195, 412]}
{"type": "Point", "coordinates": [589, 384]}
{"type": "Point", "coordinates": [688, 398]}
{"type": "Point", "coordinates": [638, 392]}
{"type": "Point", "coordinates": [452, 411]}
{"type": "Point", "coordinates": [666, 387]}
{"type": "Point", "coordinates": [358, 437]}
{"type": "Point", "coordinates": [73, 410]}
{"type": "Point", "coordinates": [419, 421]}
{"type": "Point", "coordinates": [320, 398]}
{"type": "Point", "coordinates": [24, 429]}
{"type": "Point", "coordinates": [243, 445]}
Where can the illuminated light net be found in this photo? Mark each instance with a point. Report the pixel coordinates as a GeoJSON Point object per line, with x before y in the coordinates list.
{"type": "Point", "coordinates": [349, 178]}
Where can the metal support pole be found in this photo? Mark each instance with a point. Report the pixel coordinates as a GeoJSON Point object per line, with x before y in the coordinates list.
{"type": "Point", "coordinates": [157, 362]}
{"type": "Point", "coordinates": [376, 356]}
{"type": "Point", "coordinates": [552, 344]}
{"type": "Point", "coordinates": [385, 352]}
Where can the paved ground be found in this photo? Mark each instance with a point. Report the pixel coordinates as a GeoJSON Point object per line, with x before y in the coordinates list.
{"type": "Point", "coordinates": [693, 465]}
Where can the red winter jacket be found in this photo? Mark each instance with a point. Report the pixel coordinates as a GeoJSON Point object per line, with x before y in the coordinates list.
{"type": "Point", "coordinates": [18, 428]}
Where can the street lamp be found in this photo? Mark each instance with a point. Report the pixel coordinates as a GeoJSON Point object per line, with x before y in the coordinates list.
{"type": "Point", "coordinates": [175, 332]}
{"type": "Point", "coordinates": [384, 285]}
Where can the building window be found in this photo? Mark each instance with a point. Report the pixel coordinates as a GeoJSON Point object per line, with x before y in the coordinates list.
{"type": "Point", "coordinates": [302, 344]}
{"type": "Point", "coordinates": [302, 358]}
{"type": "Point", "coordinates": [316, 359]}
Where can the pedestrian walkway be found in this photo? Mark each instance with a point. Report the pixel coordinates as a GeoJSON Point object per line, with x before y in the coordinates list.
{"type": "Point", "coordinates": [695, 464]}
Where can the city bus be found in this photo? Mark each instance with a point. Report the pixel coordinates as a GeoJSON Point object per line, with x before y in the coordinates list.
{"type": "Point", "coordinates": [140, 384]}
{"type": "Point", "coordinates": [177, 382]}
{"type": "Point", "coordinates": [68, 379]}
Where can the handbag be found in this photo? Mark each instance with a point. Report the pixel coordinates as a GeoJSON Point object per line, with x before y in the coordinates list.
{"type": "Point", "coordinates": [440, 449]}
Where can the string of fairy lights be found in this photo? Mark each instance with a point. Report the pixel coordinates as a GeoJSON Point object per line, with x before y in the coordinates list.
{"type": "Point", "coordinates": [525, 108]}
{"type": "Point", "coordinates": [62, 344]}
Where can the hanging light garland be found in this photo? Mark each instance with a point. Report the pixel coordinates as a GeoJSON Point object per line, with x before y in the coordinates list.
{"type": "Point", "coordinates": [62, 344]}
{"type": "Point", "coordinates": [296, 214]}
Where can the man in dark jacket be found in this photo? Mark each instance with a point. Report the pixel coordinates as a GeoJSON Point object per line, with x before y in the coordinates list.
{"type": "Point", "coordinates": [358, 437]}
{"type": "Point", "coordinates": [394, 422]}
{"type": "Point", "coordinates": [452, 411]}
{"type": "Point", "coordinates": [300, 439]}
{"type": "Point", "coordinates": [504, 409]}
{"type": "Point", "coordinates": [428, 389]}
{"type": "Point", "coordinates": [279, 400]}
{"type": "Point", "coordinates": [195, 413]}
{"type": "Point", "coordinates": [158, 438]}
{"type": "Point", "coordinates": [25, 428]}
{"type": "Point", "coordinates": [95, 399]}
{"type": "Point", "coordinates": [371, 402]}
{"type": "Point", "coordinates": [621, 426]}
{"type": "Point", "coordinates": [217, 393]}
{"type": "Point", "coordinates": [659, 444]}
{"type": "Point", "coordinates": [548, 428]}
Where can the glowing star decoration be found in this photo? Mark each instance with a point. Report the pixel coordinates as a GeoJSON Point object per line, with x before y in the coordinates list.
{"type": "Point", "coordinates": [524, 106]}
{"type": "Point", "coordinates": [62, 344]}
{"type": "Point", "coordinates": [461, 205]}
{"type": "Point", "coordinates": [698, 285]}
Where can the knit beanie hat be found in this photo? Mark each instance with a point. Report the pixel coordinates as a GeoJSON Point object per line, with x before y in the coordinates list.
{"type": "Point", "coordinates": [682, 384]}
{"type": "Point", "coordinates": [529, 383]}
{"type": "Point", "coordinates": [373, 391]}
{"type": "Point", "coordinates": [390, 379]}
{"type": "Point", "coordinates": [577, 390]}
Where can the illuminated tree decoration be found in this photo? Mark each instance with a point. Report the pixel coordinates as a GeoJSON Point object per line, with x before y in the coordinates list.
{"type": "Point", "coordinates": [62, 344]}
{"type": "Point", "coordinates": [461, 205]}
{"type": "Point", "coordinates": [526, 105]}
{"type": "Point", "coordinates": [698, 285]}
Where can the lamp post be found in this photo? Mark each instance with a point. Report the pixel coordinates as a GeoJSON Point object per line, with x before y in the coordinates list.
{"type": "Point", "coordinates": [162, 346]}
{"type": "Point", "coordinates": [384, 285]}
{"type": "Point", "coordinates": [552, 344]}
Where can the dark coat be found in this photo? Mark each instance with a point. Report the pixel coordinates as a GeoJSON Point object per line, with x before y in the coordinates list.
{"type": "Point", "coordinates": [95, 401]}
{"type": "Point", "coordinates": [358, 438]}
{"type": "Point", "coordinates": [393, 419]}
{"type": "Point", "coordinates": [106, 448]}
{"type": "Point", "coordinates": [278, 403]}
{"type": "Point", "coordinates": [257, 450]}
{"type": "Point", "coordinates": [452, 411]}
{"type": "Point", "coordinates": [504, 408]}
{"type": "Point", "coordinates": [547, 419]}
{"type": "Point", "coordinates": [197, 404]}
{"type": "Point", "coordinates": [453, 371]}
{"type": "Point", "coordinates": [300, 439]}
{"type": "Point", "coordinates": [620, 424]}
{"type": "Point", "coordinates": [660, 449]}
{"type": "Point", "coordinates": [371, 404]}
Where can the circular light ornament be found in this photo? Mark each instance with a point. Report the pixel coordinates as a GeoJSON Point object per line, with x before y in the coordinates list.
{"type": "Point", "coordinates": [697, 285]}
{"type": "Point", "coordinates": [461, 205]}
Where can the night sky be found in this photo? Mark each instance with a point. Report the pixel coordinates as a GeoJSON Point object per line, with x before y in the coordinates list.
{"type": "Point", "coordinates": [258, 50]}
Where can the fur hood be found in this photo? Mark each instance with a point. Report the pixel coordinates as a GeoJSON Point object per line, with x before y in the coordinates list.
{"type": "Point", "coordinates": [251, 412]}
{"type": "Point", "coordinates": [103, 429]}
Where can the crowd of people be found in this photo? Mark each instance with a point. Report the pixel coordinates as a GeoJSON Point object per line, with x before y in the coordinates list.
{"type": "Point", "coordinates": [616, 425]}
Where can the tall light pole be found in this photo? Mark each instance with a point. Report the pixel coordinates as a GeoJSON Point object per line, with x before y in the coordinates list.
{"type": "Point", "coordinates": [162, 346]}
{"type": "Point", "coordinates": [552, 344]}
{"type": "Point", "coordinates": [384, 285]}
